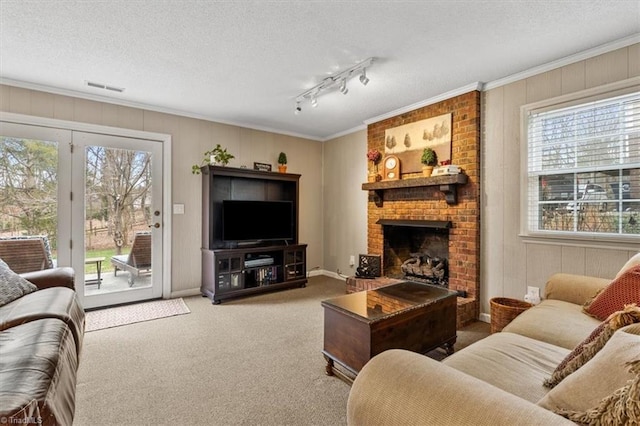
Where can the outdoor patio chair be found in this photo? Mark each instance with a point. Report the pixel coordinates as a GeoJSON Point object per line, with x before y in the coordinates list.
{"type": "Point", "coordinates": [26, 254]}
{"type": "Point", "coordinates": [138, 261]}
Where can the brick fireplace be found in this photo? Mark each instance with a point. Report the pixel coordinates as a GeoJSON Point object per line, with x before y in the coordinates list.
{"type": "Point", "coordinates": [407, 202]}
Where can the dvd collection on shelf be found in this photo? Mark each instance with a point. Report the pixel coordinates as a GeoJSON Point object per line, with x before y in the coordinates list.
{"type": "Point", "coordinates": [265, 275]}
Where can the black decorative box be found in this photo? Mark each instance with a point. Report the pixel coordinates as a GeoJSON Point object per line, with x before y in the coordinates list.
{"type": "Point", "coordinates": [369, 266]}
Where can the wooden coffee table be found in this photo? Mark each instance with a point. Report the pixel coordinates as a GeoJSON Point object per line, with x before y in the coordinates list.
{"type": "Point", "coordinates": [409, 315]}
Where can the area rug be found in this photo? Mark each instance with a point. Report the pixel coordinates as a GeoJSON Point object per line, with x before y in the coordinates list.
{"type": "Point", "coordinates": [130, 314]}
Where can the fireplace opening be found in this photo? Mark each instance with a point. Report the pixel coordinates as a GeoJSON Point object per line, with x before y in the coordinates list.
{"type": "Point", "coordinates": [416, 252]}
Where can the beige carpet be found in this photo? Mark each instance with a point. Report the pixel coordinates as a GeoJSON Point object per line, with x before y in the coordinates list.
{"type": "Point", "coordinates": [130, 314]}
{"type": "Point", "coordinates": [250, 361]}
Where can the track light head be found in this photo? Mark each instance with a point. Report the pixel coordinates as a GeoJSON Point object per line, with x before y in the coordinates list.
{"type": "Point", "coordinates": [343, 86]}
{"type": "Point", "coordinates": [314, 101]}
{"type": "Point", "coordinates": [363, 77]}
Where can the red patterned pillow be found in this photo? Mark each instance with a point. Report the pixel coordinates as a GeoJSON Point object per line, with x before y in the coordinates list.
{"type": "Point", "coordinates": [623, 290]}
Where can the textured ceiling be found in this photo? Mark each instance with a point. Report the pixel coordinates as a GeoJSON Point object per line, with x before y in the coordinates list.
{"type": "Point", "coordinates": [244, 62]}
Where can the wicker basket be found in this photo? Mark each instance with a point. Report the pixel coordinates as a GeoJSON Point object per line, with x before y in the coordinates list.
{"type": "Point", "coordinates": [504, 310]}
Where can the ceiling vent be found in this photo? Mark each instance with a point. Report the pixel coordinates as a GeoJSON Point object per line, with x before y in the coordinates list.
{"type": "Point", "coordinates": [105, 86]}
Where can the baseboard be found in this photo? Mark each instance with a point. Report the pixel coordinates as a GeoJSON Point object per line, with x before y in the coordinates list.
{"type": "Point", "coordinates": [185, 293]}
{"type": "Point", "coordinates": [485, 318]}
{"type": "Point", "coordinates": [333, 275]}
{"type": "Point", "coordinates": [315, 272]}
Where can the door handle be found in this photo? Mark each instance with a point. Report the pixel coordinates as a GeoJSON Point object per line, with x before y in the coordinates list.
{"type": "Point", "coordinates": [155, 225]}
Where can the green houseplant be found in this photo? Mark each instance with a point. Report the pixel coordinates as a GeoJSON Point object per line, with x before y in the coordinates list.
{"type": "Point", "coordinates": [429, 160]}
{"type": "Point", "coordinates": [217, 155]}
{"type": "Point", "coordinates": [282, 162]}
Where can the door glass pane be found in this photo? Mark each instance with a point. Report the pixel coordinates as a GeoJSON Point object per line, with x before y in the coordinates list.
{"type": "Point", "coordinates": [118, 217]}
{"type": "Point", "coordinates": [28, 203]}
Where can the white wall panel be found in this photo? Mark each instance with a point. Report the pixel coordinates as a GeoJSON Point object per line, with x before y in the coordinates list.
{"type": "Point", "coordinates": [491, 229]}
{"type": "Point", "coordinates": [542, 261]}
{"type": "Point", "coordinates": [42, 104]}
{"type": "Point", "coordinates": [573, 78]}
{"type": "Point", "coordinates": [607, 68]}
{"type": "Point", "coordinates": [603, 263]}
{"type": "Point", "coordinates": [345, 203]}
{"type": "Point", "coordinates": [634, 60]}
{"type": "Point", "coordinates": [573, 260]}
{"type": "Point", "coordinates": [514, 252]}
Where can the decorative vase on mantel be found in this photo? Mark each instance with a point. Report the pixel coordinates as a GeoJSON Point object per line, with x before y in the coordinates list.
{"type": "Point", "coordinates": [373, 175]}
{"type": "Point", "coordinates": [373, 155]}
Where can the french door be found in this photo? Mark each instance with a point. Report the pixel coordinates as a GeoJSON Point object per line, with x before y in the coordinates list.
{"type": "Point", "coordinates": [98, 200]}
{"type": "Point", "coordinates": [116, 184]}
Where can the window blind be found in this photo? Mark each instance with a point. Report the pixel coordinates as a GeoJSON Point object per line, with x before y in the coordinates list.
{"type": "Point", "coordinates": [584, 167]}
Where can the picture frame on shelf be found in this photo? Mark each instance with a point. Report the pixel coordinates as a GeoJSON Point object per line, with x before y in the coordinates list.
{"type": "Point", "coordinates": [265, 167]}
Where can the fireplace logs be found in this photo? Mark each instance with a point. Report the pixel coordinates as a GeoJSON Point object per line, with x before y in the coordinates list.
{"type": "Point", "coordinates": [423, 266]}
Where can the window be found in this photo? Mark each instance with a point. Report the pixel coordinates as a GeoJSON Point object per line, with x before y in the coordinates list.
{"type": "Point", "coordinates": [583, 168]}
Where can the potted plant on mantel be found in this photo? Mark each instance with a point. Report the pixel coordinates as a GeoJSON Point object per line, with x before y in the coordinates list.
{"type": "Point", "coordinates": [429, 160]}
{"type": "Point", "coordinates": [217, 155]}
{"type": "Point", "coordinates": [282, 162]}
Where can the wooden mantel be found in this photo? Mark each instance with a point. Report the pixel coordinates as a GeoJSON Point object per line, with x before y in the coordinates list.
{"type": "Point", "coordinates": [446, 183]}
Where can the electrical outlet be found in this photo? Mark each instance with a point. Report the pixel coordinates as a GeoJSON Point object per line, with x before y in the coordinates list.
{"type": "Point", "coordinates": [352, 260]}
{"type": "Point", "coordinates": [533, 291]}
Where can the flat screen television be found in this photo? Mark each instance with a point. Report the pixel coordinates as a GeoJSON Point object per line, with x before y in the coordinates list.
{"type": "Point", "coordinates": [257, 220]}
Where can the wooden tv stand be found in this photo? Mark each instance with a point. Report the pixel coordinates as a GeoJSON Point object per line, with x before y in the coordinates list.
{"type": "Point", "coordinates": [229, 273]}
{"type": "Point", "coordinates": [234, 271]}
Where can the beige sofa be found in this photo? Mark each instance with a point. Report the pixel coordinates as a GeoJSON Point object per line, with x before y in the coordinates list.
{"type": "Point", "coordinates": [499, 380]}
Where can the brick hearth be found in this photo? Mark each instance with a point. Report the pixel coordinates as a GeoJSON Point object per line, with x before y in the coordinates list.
{"type": "Point", "coordinates": [428, 203]}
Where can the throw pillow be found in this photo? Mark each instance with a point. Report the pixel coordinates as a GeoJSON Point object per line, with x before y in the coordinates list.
{"type": "Point", "coordinates": [593, 343]}
{"type": "Point", "coordinates": [598, 378]}
{"type": "Point", "coordinates": [12, 285]}
{"type": "Point", "coordinates": [623, 290]}
{"type": "Point", "coordinates": [622, 407]}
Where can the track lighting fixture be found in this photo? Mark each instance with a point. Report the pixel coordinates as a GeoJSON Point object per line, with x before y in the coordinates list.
{"type": "Point", "coordinates": [363, 77]}
{"type": "Point", "coordinates": [343, 87]}
{"type": "Point", "coordinates": [339, 79]}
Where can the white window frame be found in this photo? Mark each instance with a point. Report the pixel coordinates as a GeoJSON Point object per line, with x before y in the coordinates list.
{"type": "Point", "coordinates": [582, 239]}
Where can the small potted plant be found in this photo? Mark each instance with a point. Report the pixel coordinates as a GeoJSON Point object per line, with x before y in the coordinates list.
{"type": "Point", "coordinates": [429, 160]}
{"type": "Point", "coordinates": [217, 155]}
{"type": "Point", "coordinates": [282, 162]}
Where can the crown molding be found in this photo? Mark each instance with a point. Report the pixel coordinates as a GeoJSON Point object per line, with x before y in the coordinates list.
{"type": "Point", "coordinates": [444, 96]}
{"type": "Point", "coordinates": [568, 60]}
{"type": "Point", "coordinates": [148, 107]}
{"type": "Point", "coordinates": [346, 132]}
